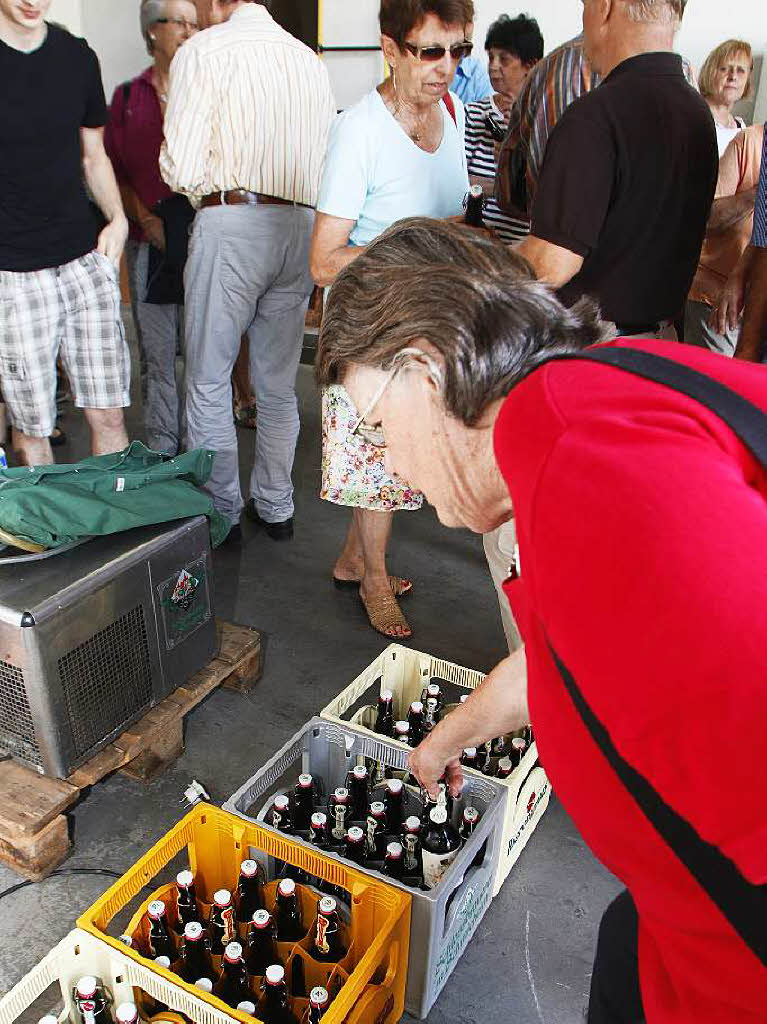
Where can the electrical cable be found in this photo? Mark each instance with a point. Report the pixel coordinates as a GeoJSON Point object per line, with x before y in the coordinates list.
{"type": "Point", "coordinates": [61, 871]}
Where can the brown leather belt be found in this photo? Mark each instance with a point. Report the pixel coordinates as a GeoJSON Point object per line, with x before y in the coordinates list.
{"type": "Point", "coordinates": [241, 197]}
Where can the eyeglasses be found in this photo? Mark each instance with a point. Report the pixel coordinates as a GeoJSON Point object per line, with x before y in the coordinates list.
{"type": "Point", "coordinates": [179, 23]}
{"type": "Point", "coordinates": [375, 435]}
{"type": "Point", "coordinates": [431, 54]}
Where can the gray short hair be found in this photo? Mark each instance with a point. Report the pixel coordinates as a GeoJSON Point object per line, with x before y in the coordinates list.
{"type": "Point", "coordinates": [655, 10]}
{"type": "Point", "coordinates": [472, 299]}
{"type": "Point", "coordinates": [151, 12]}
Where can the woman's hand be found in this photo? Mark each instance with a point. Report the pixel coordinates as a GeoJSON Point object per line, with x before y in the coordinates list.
{"type": "Point", "coordinates": [727, 312]}
{"type": "Point", "coordinates": [154, 230]}
{"type": "Point", "coordinates": [429, 764]}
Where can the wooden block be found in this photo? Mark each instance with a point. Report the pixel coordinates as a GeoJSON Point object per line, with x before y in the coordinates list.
{"type": "Point", "coordinates": [162, 751]}
{"type": "Point", "coordinates": [235, 642]}
{"type": "Point", "coordinates": [29, 801]}
{"type": "Point", "coordinates": [247, 672]}
{"type": "Point", "coordinates": [34, 857]}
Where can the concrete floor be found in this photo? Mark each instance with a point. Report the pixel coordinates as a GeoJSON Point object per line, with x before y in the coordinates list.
{"type": "Point", "coordinates": [530, 960]}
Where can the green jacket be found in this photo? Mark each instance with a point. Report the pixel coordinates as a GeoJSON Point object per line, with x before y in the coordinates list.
{"type": "Point", "coordinates": [55, 505]}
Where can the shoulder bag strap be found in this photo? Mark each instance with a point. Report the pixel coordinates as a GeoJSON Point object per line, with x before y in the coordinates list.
{"type": "Point", "coordinates": [447, 99]}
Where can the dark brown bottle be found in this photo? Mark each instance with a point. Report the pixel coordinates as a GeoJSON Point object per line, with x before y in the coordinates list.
{"type": "Point", "coordinates": [411, 843]}
{"type": "Point", "coordinates": [444, 799]}
{"type": "Point", "coordinates": [303, 802]}
{"type": "Point", "coordinates": [475, 202]}
{"type": "Point", "coordinates": [126, 1013]}
{"type": "Point", "coordinates": [339, 812]}
{"type": "Point", "coordinates": [327, 946]}
{"type": "Point", "coordinates": [261, 948]}
{"type": "Point", "coordinates": [91, 1001]}
{"type": "Point", "coordinates": [430, 713]}
{"type": "Point", "coordinates": [195, 962]}
{"type": "Point", "coordinates": [281, 817]}
{"type": "Point", "coordinates": [358, 784]}
{"type": "Point", "coordinates": [376, 830]}
{"type": "Point", "coordinates": [233, 986]}
{"type": "Point", "coordinates": [499, 747]}
{"type": "Point", "coordinates": [394, 862]}
{"type": "Point", "coordinates": [249, 895]}
{"type": "Point", "coordinates": [221, 925]}
{"type": "Point", "coordinates": [528, 735]}
{"type": "Point", "coordinates": [415, 719]}
{"type": "Point", "coordinates": [385, 717]}
{"type": "Point", "coordinates": [469, 821]}
{"type": "Point", "coordinates": [186, 899]}
{"type": "Point", "coordinates": [276, 1008]}
{"type": "Point", "coordinates": [505, 768]}
{"type": "Point", "coordinates": [518, 750]}
{"type": "Point", "coordinates": [440, 845]}
{"type": "Point", "coordinates": [393, 797]}
{"type": "Point", "coordinates": [288, 916]}
{"type": "Point", "coordinates": [402, 732]}
{"type": "Point", "coordinates": [319, 1001]}
{"type": "Point", "coordinates": [354, 845]}
{"type": "Point", "coordinates": [160, 940]}
{"type": "Point", "coordinates": [469, 757]}
{"type": "Point", "coordinates": [318, 830]}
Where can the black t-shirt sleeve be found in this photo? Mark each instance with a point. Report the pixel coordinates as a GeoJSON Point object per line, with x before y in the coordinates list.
{"type": "Point", "coordinates": [95, 115]}
{"type": "Point", "coordinates": [576, 183]}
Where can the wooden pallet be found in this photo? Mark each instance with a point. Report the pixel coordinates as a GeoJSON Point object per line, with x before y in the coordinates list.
{"type": "Point", "coordinates": [34, 832]}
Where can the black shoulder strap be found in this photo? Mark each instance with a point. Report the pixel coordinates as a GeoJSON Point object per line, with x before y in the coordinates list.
{"type": "Point", "coordinates": [742, 903]}
{"type": "Point", "coordinates": [744, 418]}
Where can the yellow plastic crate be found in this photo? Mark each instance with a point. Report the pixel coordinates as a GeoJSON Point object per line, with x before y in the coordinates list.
{"type": "Point", "coordinates": [216, 842]}
{"type": "Point", "coordinates": [406, 672]}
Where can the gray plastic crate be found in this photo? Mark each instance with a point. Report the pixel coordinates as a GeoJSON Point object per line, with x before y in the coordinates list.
{"type": "Point", "coordinates": [444, 918]}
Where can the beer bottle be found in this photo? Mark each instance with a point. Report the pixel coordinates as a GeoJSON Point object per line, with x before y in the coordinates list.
{"type": "Point", "coordinates": [328, 947]}
{"type": "Point", "coordinates": [486, 767]}
{"type": "Point", "coordinates": [204, 985]}
{"type": "Point", "coordinates": [303, 802]}
{"type": "Point", "coordinates": [411, 842]}
{"type": "Point", "coordinates": [376, 828]}
{"type": "Point", "coordinates": [281, 818]}
{"type": "Point", "coordinates": [385, 718]}
{"type": "Point", "coordinates": [430, 714]}
{"type": "Point", "coordinates": [358, 786]}
{"type": "Point", "coordinates": [475, 202]}
{"type": "Point", "coordinates": [233, 986]}
{"type": "Point", "coordinates": [339, 812]}
{"type": "Point", "coordinates": [221, 926]}
{"type": "Point", "coordinates": [160, 940]}
{"type": "Point", "coordinates": [469, 821]}
{"type": "Point", "coordinates": [402, 732]}
{"type": "Point", "coordinates": [163, 961]}
{"type": "Point", "coordinates": [186, 899]}
{"type": "Point", "coordinates": [498, 747]}
{"type": "Point", "coordinates": [289, 925]}
{"type": "Point", "coordinates": [247, 1006]}
{"type": "Point", "coordinates": [416, 723]}
{"type": "Point", "coordinates": [127, 1013]}
{"type": "Point", "coordinates": [393, 804]}
{"type": "Point", "coordinates": [440, 845]}
{"type": "Point", "coordinates": [354, 845]}
{"type": "Point", "coordinates": [394, 862]}
{"type": "Point", "coordinates": [469, 757]}
{"type": "Point", "coordinates": [91, 1002]}
{"type": "Point", "coordinates": [318, 830]}
{"type": "Point", "coordinates": [126, 941]}
{"type": "Point", "coordinates": [261, 948]}
{"type": "Point", "coordinates": [518, 750]}
{"type": "Point", "coordinates": [195, 962]}
{"type": "Point", "coordinates": [276, 1007]}
{"type": "Point", "coordinates": [433, 692]}
{"type": "Point", "coordinates": [319, 1001]}
{"type": "Point", "coordinates": [249, 898]}
{"type": "Point", "coordinates": [505, 768]}
{"type": "Point", "coordinates": [528, 735]}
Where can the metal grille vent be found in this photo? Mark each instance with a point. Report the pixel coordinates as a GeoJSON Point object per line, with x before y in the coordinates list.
{"type": "Point", "coordinates": [107, 680]}
{"type": "Point", "coordinates": [17, 733]}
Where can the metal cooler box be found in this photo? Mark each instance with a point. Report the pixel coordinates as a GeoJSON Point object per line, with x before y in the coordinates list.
{"type": "Point", "coordinates": [91, 638]}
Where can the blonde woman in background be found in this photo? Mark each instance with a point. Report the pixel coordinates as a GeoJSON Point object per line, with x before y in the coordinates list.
{"type": "Point", "coordinates": [725, 79]}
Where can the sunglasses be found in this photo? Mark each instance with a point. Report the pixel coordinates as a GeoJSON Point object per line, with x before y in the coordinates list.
{"type": "Point", "coordinates": [178, 22]}
{"type": "Point", "coordinates": [431, 54]}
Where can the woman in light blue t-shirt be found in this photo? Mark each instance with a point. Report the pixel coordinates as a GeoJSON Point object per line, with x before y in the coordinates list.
{"type": "Point", "coordinates": [397, 153]}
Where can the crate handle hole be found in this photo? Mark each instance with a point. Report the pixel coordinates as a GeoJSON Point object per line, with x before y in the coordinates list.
{"type": "Point", "coordinates": [203, 819]}
{"type": "Point", "coordinates": [119, 979]}
{"type": "Point", "coordinates": [77, 950]}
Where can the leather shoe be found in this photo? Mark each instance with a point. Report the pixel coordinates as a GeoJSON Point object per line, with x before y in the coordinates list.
{"type": "Point", "coordinates": [233, 537]}
{"type": "Point", "coordinates": [277, 531]}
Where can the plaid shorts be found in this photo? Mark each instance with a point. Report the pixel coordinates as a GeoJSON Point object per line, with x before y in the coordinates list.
{"type": "Point", "coordinates": [72, 310]}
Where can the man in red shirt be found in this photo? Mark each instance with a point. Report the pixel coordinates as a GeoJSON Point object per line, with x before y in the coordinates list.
{"type": "Point", "coordinates": [640, 587]}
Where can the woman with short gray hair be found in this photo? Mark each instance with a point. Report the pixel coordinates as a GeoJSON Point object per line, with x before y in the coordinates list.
{"type": "Point", "coordinates": [637, 475]}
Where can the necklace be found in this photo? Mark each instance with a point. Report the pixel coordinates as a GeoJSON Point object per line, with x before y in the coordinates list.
{"type": "Point", "coordinates": [416, 134]}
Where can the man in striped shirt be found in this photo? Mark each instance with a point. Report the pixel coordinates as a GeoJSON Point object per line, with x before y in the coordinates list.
{"type": "Point", "coordinates": [249, 111]}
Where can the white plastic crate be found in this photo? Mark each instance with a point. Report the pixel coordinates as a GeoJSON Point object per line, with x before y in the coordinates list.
{"type": "Point", "coordinates": [406, 672]}
{"type": "Point", "coordinates": [80, 954]}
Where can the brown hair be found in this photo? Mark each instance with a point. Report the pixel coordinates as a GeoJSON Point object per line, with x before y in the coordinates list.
{"type": "Point", "coordinates": [721, 53]}
{"type": "Point", "coordinates": [398, 18]}
{"type": "Point", "coordinates": [472, 299]}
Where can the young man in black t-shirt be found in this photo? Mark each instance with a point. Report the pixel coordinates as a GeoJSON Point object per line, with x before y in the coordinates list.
{"type": "Point", "coordinates": [58, 273]}
{"type": "Point", "coordinates": [628, 176]}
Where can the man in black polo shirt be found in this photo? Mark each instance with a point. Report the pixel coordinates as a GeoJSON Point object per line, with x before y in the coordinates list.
{"type": "Point", "coordinates": [629, 174]}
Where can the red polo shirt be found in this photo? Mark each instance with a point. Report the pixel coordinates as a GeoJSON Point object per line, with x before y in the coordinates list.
{"type": "Point", "coordinates": [642, 525]}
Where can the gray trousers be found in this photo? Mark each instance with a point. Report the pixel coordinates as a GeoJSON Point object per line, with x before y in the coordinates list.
{"type": "Point", "coordinates": [159, 329]}
{"type": "Point", "coordinates": [499, 551]}
{"type": "Point", "coordinates": [698, 332]}
{"type": "Point", "coordinates": [248, 270]}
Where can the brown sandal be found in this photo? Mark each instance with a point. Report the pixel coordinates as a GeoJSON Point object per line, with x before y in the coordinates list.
{"type": "Point", "coordinates": [399, 585]}
{"type": "Point", "coordinates": [384, 614]}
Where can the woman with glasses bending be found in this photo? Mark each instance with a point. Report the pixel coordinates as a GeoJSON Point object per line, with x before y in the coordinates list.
{"type": "Point", "coordinates": [133, 138]}
{"type": "Point", "coordinates": [397, 153]}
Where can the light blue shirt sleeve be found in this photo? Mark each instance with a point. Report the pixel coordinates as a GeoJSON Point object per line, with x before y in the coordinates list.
{"type": "Point", "coordinates": [345, 177]}
{"type": "Point", "coordinates": [472, 81]}
{"type": "Point", "coordinates": [759, 236]}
